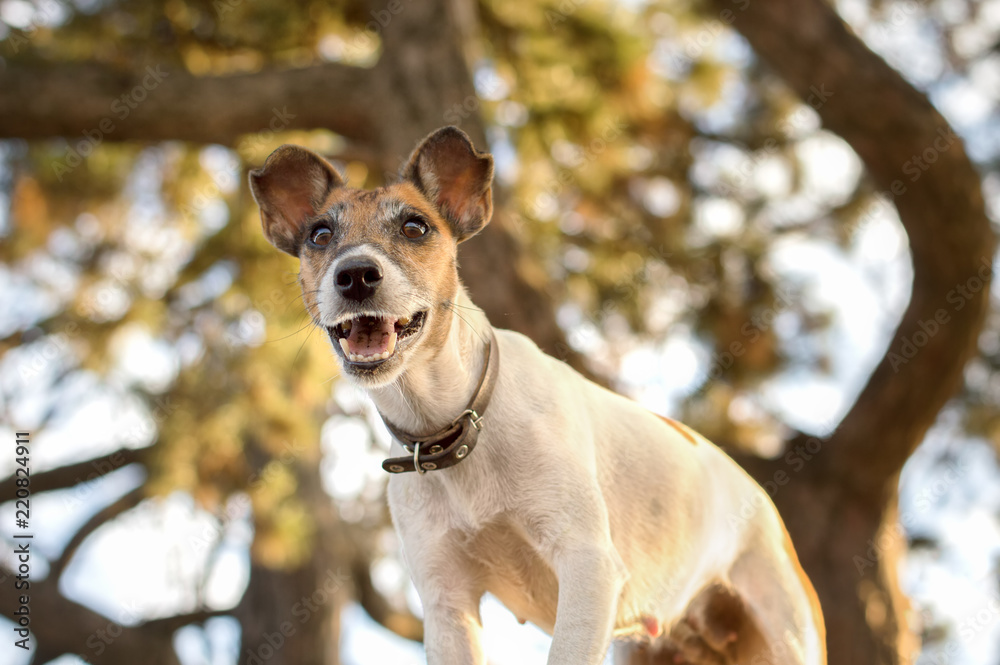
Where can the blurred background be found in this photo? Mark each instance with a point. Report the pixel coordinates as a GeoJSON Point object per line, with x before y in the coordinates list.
{"type": "Point", "coordinates": [773, 219]}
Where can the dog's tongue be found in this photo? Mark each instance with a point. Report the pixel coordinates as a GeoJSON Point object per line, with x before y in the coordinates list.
{"type": "Point", "coordinates": [370, 336]}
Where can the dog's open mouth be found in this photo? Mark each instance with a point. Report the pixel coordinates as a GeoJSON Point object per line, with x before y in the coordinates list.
{"type": "Point", "coordinates": [373, 339]}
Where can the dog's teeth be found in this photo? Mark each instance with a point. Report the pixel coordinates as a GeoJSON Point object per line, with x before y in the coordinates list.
{"type": "Point", "coordinates": [392, 344]}
{"type": "Point", "coordinates": [405, 321]}
{"type": "Point", "coordinates": [361, 358]}
{"type": "Point", "coordinates": [346, 326]}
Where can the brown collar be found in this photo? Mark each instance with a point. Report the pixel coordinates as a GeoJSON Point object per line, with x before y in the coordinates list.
{"type": "Point", "coordinates": [451, 445]}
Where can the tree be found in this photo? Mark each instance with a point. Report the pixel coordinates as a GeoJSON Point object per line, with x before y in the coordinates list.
{"type": "Point", "coordinates": [584, 108]}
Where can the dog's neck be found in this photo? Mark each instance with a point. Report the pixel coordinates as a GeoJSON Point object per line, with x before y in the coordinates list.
{"type": "Point", "coordinates": [437, 384]}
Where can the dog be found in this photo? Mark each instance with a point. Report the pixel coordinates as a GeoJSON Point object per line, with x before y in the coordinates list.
{"type": "Point", "coordinates": [581, 511]}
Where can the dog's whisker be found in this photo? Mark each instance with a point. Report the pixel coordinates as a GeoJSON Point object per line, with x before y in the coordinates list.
{"type": "Point", "coordinates": [466, 321]}
{"type": "Point", "coordinates": [302, 295]}
{"type": "Point", "coordinates": [302, 345]}
{"type": "Point", "coordinates": [330, 379]}
{"type": "Point", "coordinates": [291, 334]}
{"type": "Point", "coordinates": [468, 307]}
{"type": "Point", "coordinates": [395, 384]}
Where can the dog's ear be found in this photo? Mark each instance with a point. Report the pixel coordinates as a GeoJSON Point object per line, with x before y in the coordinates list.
{"type": "Point", "coordinates": [290, 188]}
{"type": "Point", "coordinates": [455, 177]}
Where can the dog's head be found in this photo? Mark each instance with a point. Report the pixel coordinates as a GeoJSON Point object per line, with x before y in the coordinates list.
{"type": "Point", "coordinates": [378, 267]}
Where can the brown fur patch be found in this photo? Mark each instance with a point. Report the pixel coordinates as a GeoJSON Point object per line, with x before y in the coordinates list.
{"type": "Point", "coordinates": [716, 629]}
{"type": "Point", "coordinates": [681, 428]}
{"type": "Point", "coordinates": [358, 216]}
{"type": "Point", "coordinates": [446, 186]}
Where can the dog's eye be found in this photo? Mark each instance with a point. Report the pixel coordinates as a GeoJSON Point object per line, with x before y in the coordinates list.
{"type": "Point", "coordinates": [414, 228]}
{"type": "Point", "coordinates": [321, 236]}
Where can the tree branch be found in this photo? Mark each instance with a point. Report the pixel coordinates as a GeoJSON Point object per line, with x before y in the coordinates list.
{"type": "Point", "coordinates": [914, 156]}
{"type": "Point", "coordinates": [843, 498]}
{"type": "Point", "coordinates": [425, 73]}
{"type": "Point", "coordinates": [61, 626]}
{"type": "Point", "coordinates": [73, 474]}
{"type": "Point", "coordinates": [420, 83]}
{"type": "Point", "coordinates": [127, 502]}
{"type": "Point", "coordinates": [164, 102]}
{"type": "Point", "coordinates": [403, 624]}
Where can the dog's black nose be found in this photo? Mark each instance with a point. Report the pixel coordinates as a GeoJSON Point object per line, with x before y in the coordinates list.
{"type": "Point", "coordinates": [358, 278]}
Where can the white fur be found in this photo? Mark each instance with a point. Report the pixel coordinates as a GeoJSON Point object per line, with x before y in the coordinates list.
{"type": "Point", "coordinates": [580, 510]}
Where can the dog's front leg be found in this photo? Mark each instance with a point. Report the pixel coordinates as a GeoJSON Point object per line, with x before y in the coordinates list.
{"type": "Point", "coordinates": [449, 590]}
{"type": "Point", "coordinates": [447, 580]}
{"type": "Point", "coordinates": [452, 636]}
{"type": "Point", "coordinates": [590, 581]}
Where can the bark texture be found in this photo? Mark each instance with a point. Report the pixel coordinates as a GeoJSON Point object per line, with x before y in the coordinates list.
{"type": "Point", "coordinates": [840, 508]}
{"type": "Point", "coordinates": [292, 616]}
{"type": "Point", "coordinates": [60, 626]}
{"type": "Point", "coordinates": [162, 102]}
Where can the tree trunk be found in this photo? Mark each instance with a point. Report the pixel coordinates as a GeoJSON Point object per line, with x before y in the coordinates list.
{"type": "Point", "coordinates": [840, 502]}
{"type": "Point", "coordinates": [293, 617]}
{"type": "Point", "coordinates": [427, 83]}
{"type": "Point", "coordinates": [420, 83]}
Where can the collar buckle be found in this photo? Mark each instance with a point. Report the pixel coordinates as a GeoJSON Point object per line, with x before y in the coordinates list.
{"type": "Point", "coordinates": [451, 445]}
{"type": "Point", "coordinates": [474, 418]}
